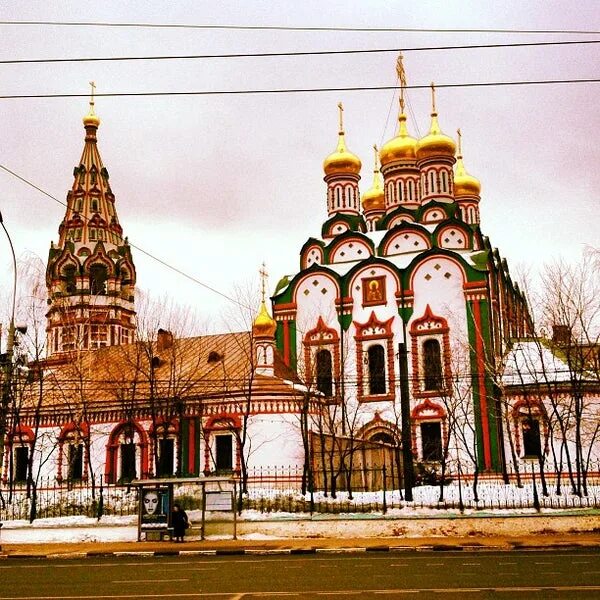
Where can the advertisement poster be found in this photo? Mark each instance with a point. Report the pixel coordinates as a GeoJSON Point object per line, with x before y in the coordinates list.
{"type": "Point", "coordinates": [155, 507]}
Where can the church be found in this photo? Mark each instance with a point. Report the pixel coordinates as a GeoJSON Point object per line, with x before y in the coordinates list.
{"type": "Point", "coordinates": [401, 342]}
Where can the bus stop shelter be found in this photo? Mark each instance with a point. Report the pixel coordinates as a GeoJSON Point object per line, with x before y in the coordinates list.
{"type": "Point", "coordinates": [156, 498]}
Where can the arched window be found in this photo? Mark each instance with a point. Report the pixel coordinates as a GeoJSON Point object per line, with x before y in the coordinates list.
{"type": "Point", "coordinates": [431, 440]}
{"type": "Point", "coordinates": [411, 190]}
{"type": "Point", "coordinates": [391, 193]}
{"type": "Point", "coordinates": [432, 365]}
{"type": "Point", "coordinates": [69, 278]}
{"type": "Point", "coordinates": [376, 359]}
{"type": "Point", "coordinates": [98, 279]}
{"type": "Point", "coordinates": [400, 194]}
{"type": "Point", "coordinates": [338, 197]}
{"type": "Point", "coordinates": [324, 372]}
{"type": "Point", "coordinates": [444, 175]}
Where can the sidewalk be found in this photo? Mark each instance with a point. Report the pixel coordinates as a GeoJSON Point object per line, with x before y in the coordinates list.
{"type": "Point", "coordinates": [301, 546]}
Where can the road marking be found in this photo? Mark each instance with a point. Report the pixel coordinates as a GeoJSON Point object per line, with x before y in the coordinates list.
{"type": "Point", "coordinates": [504, 564]}
{"type": "Point", "coordinates": [135, 581]}
{"type": "Point", "coordinates": [471, 564]}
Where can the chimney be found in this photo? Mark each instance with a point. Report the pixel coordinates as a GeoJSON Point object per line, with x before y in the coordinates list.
{"type": "Point", "coordinates": [164, 341]}
{"type": "Point", "coordinates": [561, 335]}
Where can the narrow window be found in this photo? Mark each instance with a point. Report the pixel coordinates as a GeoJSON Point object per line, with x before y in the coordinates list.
{"type": "Point", "coordinates": [411, 190]}
{"type": "Point", "coordinates": [94, 204]}
{"type": "Point", "coordinates": [532, 447]}
{"type": "Point", "coordinates": [75, 457]}
{"type": "Point", "coordinates": [324, 372]}
{"type": "Point", "coordinates": [400, 194]}
{"type": "Point", "coordinates": [128, 472]}
{"type": "Point", "coordinates": [92, 234]}
{"type": "Point", "coordinates": [431, 441]}
{"type": "Point", "coordinates": [432, 181]}
{"type": "Point", "coordinates": [80, 205]}
{"type": "Point", "coordinates": [165, 457]}
{"type": "Point", "coordinates": [21, 463]}
{"type": "Point", "coordinates": [224, 453]}
{"type": "Point", "coordinates": [98, 278]}
{"type": "Point", "coordinates": [432, 365]}
{"type": "Point", "coordinates": [376, 358]}
{"type": "Point", "coordinates": [391, 193]}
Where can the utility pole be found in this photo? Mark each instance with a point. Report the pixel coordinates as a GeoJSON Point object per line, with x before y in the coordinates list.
{"type": "Point", "coordinates": [407, 457]}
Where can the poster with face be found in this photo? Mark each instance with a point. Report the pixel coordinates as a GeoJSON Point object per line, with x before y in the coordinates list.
{"type": "Point", "coordinates": [155, 506]}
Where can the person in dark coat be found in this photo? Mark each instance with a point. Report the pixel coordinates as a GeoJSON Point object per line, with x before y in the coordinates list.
{"type": "Point", "coordinates": [179, 520]}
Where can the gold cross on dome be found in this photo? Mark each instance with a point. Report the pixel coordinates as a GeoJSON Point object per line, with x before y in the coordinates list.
{"type": "Point", "coordinates": [263, 280]}
{"type": "Point", "coordinates": [93, 86]}
{"type": "Point", "coordinates": [341, 111]}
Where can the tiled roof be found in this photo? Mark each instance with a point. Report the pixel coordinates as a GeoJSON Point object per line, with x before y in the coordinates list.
{"type": "Point", "coordinates": [210, 366]}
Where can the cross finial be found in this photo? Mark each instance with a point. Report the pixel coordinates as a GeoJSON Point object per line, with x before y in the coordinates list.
{"type": "Point", "coordinates": [459, 141]}
{"type": "Point", "coordinates": [433, 97]}
{"type": "Point", "coordinates": [341, 111]}
{"type": "Point", "coordinates": [401, 78]}
{"type": "Point", "coordinates": [263, 280]}
{"type": "Point", "coordinates": [376, 152]}
{"type": "Point", "coordinates": [93, 86]}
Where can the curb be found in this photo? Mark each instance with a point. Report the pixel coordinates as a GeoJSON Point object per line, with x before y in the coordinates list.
{"type": "Point", "coordinates": [297, 551]}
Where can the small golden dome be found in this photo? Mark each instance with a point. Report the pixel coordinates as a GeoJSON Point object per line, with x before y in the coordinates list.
{"type": "Point", "coordinates": [465, 184]}
{"type": "Point", "coordinates": [91, 120]}
{"type": "Point", "coordinates": [401, 147]}
{"type": "Point", "coordinates": [374, 198]}
{"type": "Point", "coordinates": [342, 160]}
{"type": "Point", "coordinates": [435, 143]}
{"type": "Point", "coordinates": [264, 325]}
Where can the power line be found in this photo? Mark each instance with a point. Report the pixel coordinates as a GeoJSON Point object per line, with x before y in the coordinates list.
{"type": "Point", "coordinates": [133, 25]}
{"type": "Point", "coordinates": [363, 88]}
{"type": "Point", "coordinates": [138, 248]}
{"type": "Point", "coordinates": [291, 54]}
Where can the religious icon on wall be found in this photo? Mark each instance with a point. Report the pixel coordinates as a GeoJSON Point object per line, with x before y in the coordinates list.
{"type": "Point", "coordinates": [373, 290]}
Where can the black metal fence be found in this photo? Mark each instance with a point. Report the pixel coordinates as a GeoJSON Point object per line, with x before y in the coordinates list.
{"type": "Point", "coordinates": [279, 489]}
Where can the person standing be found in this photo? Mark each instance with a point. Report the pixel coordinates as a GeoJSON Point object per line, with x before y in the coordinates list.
{"type": "Point", "coordinates": [179, 521]}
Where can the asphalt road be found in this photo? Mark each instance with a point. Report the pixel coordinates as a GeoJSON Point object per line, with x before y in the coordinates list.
{"type": "Point", "coordinates": [528, 574]}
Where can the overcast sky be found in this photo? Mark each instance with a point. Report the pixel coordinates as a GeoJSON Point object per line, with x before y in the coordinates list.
{"type": "Point", "coordinates": [215, 185]}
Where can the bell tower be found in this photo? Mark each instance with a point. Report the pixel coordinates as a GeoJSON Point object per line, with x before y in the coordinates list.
{"type": "Point", "coordinates": [90, 275]}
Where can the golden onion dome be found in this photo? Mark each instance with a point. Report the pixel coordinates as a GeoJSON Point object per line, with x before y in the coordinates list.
{"type": "Point", "coordinates": [342, 160]}
{"type": "Point", "coordinates": [401, 147]}
{"type": "Point", "coordinates": [374, 198]}
{"type": "Point", "coordinates": [465, 184]}
{"type": "Point", "coordinates": [264, 325]}
{"type": "Point", "coordinates": [435, 143]}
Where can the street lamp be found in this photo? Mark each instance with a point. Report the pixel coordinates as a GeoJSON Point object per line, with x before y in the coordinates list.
{"type": "Point", "coordinates": [7, 358]}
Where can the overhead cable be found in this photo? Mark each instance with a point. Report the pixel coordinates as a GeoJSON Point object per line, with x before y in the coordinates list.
{"type": "Point", "coordinates": [362, 88]}
{"type": "Point", "coordinates": [290, 54]}
{"type": "Point", "coordinates": [217, 27]}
